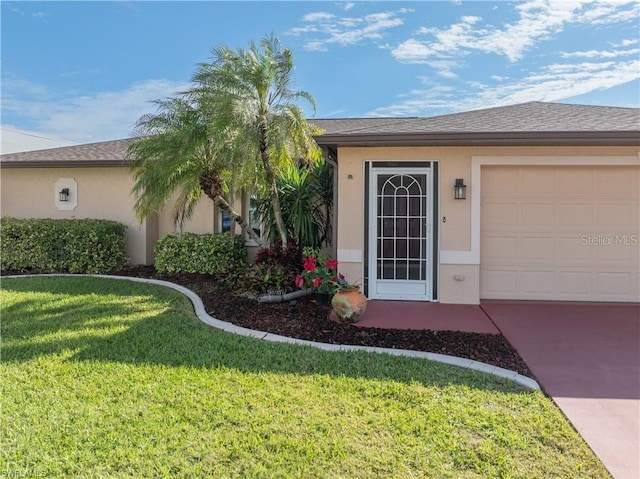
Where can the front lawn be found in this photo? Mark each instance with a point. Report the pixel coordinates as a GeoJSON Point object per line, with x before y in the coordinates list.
{"type": "Point", "coordinates": [109, 378]}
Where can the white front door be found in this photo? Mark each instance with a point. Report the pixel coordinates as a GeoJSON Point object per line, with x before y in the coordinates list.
{"type": "Point", "coordinates": [400, 239]}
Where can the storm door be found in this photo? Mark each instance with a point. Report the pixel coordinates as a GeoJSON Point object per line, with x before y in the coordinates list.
{"type": "Point", "coordinates": [400, 243]}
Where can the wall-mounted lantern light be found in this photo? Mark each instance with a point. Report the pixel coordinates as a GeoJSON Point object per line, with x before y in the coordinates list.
{"type": "Point", "coordinates": [64, 194]}
{"type": "Point", "coordinates": [460, 190]}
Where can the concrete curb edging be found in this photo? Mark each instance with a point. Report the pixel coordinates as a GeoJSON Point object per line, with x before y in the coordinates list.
{"type": "Point", "coordinates": [202, 315]}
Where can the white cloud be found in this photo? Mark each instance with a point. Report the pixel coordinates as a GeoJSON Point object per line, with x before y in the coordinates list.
{"type": "Point", "coordinates": [552, 83]}
{"type": "Point", "coordinates": [413, 51]}
{"type": "Point", "coordinates": [601, 53]}
{"type": "Point", "coordinates": [318, 17]}
{"type": "Point", "coordinates": [627, 42]}
{"type": "Point", "coordinates": [348, 6]}
{"type": "Point", "coordinates": [86, 118]}
{"type": "Point", "coordinates": [537, 20]}
{"type": "Point", "coordinates": [324, 29]}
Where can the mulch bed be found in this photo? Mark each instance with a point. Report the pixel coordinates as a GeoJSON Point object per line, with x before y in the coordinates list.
{"type": "Point", "coordinates": [310, 322]}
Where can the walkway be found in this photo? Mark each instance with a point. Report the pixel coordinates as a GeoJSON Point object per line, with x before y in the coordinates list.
{"type": "Point", "coordinates": [586, 356]}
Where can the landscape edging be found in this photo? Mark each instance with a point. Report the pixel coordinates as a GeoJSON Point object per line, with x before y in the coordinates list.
{"type": "Point", "coordinates": [203, 316]}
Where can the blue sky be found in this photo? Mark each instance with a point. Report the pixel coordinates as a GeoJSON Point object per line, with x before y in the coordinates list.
{"type": "Point", "coordinates": [86, 71]}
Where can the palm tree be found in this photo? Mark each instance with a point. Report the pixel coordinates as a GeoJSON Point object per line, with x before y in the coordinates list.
{"type": "Point", "coordinates": [252, 110]}
{"type": "Point", "coordinates": [174, 152]}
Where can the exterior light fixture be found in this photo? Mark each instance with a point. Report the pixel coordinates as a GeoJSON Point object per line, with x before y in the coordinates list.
{"type": "Point", "coordinates": [460, 190]}
{"type": "Point", "coordinates": [64, 194]}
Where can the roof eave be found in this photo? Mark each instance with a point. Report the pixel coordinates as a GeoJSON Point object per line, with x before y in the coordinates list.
{"type": "Point", "coordinates": [64, 164]}
{"type": "Point", "coordinates": [576, 138]}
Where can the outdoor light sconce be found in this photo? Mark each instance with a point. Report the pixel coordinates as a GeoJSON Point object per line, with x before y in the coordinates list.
{"type": "Point", "coordinates": [460, 190]}
{"type": "Point", "coordinates": [64, 194]}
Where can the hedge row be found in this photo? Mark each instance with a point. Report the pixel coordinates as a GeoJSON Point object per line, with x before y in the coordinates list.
{"type": "Point", "coordinates": [62, 245]}
{"type": "Point", "coordinates": [199, 253]}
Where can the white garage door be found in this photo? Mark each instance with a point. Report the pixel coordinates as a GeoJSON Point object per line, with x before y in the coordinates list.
{"type": "Point", "coordinates": [560, 233]}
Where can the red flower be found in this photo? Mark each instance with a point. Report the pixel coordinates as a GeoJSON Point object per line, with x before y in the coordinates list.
{"type": "Point", "coordinates": [317, 282]}
{"type": "Point", "coordinates": [341, 276]}
{"type": "Point", "coordinates": [310, 264]}
{"type": "Point", "coordinates": [332, 264]}
{"type": "Point", "coordinates": [299, 281]}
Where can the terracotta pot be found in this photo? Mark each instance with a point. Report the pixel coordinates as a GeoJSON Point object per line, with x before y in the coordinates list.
{"type": "Point", "coordinates": [349, 304]}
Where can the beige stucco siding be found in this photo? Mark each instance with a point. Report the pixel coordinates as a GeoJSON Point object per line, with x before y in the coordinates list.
{"type": "Point", "coordinates": [457, 222]}
{"type": "Point", "coordinates": [201, 221]}
{"type": "Point", "coordinates": [102, 193]}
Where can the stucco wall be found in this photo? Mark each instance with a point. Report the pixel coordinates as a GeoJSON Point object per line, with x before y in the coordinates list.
{"type": "Point", "coordinates": [201, 221]}
{"type": "Point", "coordinates": [455, 218]}
{"type": "Point", "coordinates": [102, 193]}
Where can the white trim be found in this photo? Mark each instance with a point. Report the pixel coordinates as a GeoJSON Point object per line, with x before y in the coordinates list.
{"type": "Point", "coordinates": [456, 257]}
{"type": "Point", "coordinates": [478, 161]}
{"type": "Point", "coordinates": [350, 255]}
{"type": "Point", "coordinates": [401, 289]}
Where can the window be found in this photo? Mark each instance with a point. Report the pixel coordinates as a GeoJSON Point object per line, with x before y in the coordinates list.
{"type": "Point", "coordinates": [225, 222]}
{"type": "Point", "coordinates": [251, 216]}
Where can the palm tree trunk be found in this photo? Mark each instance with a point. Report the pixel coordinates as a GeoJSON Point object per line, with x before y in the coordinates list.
{"type": "Point", "coordinates": [211, 184]}
{"type": "Point", "coordinates": [273, 188]}
{"type": "Point", "coordinates": [226, 207]}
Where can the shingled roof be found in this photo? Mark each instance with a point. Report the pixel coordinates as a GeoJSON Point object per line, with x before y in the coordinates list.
{"type": "Point", "coordinates": [105, 153]}
{"type": "Point", "coordinates": [534, 123]}
{"type": "Point", "coordinates": [527, 123]}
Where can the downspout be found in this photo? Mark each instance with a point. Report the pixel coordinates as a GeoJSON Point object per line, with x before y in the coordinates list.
{"type": "Point", "coordinates": [334, 215]}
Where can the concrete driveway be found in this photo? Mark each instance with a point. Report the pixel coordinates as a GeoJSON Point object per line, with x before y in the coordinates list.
{"type": "Point", "coordinates": [586, 356]}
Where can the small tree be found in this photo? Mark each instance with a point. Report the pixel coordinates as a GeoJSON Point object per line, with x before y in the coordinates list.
{"type": "Point", "coordinates": [174, 152]}
{"type": "Point", "coordinates": [252, 110]}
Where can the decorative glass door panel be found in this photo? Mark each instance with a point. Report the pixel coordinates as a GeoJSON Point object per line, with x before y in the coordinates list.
{"type": "Point", "coordinates": [400, 245]}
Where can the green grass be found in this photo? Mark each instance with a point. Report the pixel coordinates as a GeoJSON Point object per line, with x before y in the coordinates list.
{"type": "Point", "coordinates": [108, 378]}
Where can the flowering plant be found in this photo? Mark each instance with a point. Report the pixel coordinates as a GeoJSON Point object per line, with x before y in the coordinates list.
{"type": "Point", "coordinates": [319, 273]}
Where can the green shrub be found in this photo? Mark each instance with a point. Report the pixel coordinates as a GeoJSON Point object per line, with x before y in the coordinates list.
{"type": "Point", "coordinates": [200, 253]}
{"type": "Point", "coordinates": [62, 245]}
{"type": "Point", "coordinates": [276, 268]}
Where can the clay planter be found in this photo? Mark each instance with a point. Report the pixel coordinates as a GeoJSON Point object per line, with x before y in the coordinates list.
{"type": "Point", "coordinates": [349, 304]}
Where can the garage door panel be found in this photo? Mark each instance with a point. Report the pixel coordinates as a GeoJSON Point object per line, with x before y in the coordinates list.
{"type": "Point", "coordinates": [615, 182]}
{"type": "Point", "coordinates": [573, 250]}
{"type": "Point", "coordinates": [614, 284]}
{"type": "Point", "coordinates": [501, 248]}
{"type": "Point", "coordinates": [575, 214]}
{"type": "Point", "coordinates": [616, 252]}
{"type": "Point", "coordinates": [575, 284]}
{"type": "Point", "coordinates": [501, 182]}
{"type": "Point", "coordinates": [501, 213]}
{"type": "Point", "coordinates": [538, 248]}
{"type": "Point", "coordinates": [567, 233]}
{"type": "Point", "coordinates": [538, 213]}
{"type": "Point", "coordinates": [616, 214]}
{"type": "Point", "coordinates": [536, 282]}
{"type": "Point", "coordinates": [577, 182]}
{"type": "Point", "coordinates": [500, 283]}
{"type": "Point", "coordinates": [536, 182]}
